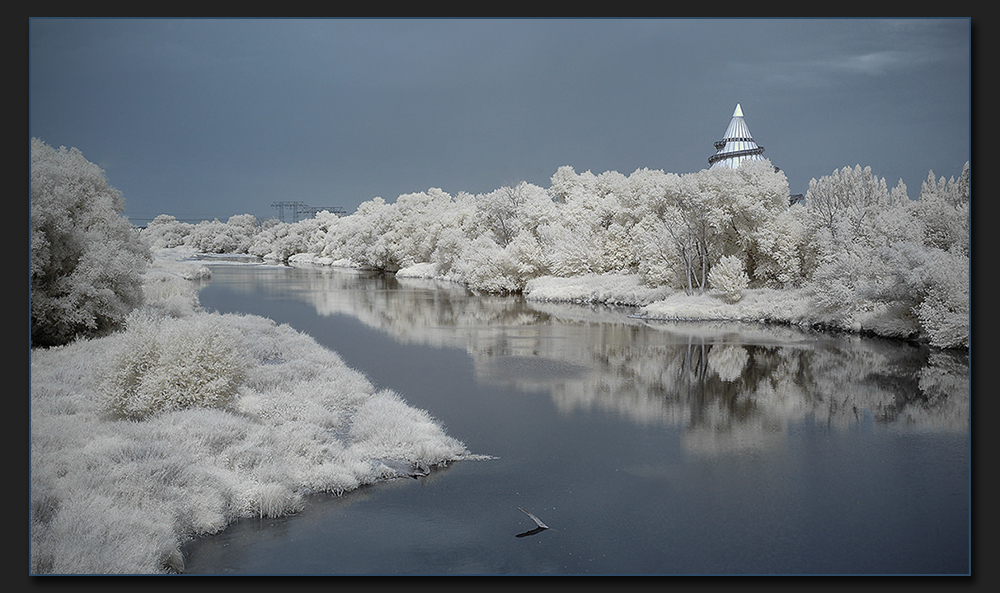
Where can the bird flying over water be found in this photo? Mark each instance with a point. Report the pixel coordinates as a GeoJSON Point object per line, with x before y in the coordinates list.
{"type": "Point", "coordinates": [534, 518]}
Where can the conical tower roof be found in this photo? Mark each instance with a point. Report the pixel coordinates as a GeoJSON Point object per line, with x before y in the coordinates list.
{"type": "Point", "coordinates": [737, 146]}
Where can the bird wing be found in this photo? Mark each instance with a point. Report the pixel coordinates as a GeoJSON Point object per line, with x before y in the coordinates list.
{"type": "Point", "coordinates": [534, 518]}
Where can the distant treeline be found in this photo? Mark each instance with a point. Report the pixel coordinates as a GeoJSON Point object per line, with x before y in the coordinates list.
{"type": "Point", "coordinates": [868, 256]}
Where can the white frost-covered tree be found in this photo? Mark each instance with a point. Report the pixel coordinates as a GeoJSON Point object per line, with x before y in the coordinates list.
{"type": "Point", "coordinates": [591, 230]}
{"type": "Point", "coordinates": [943, 208]}
{"type": "Point", "coordinates": [281, 240]}
{"type": "Point", "coordinates": [853, 223]}
{"type": "Point", "coordinates": [887, 264]}
{"type": "Point", "coordinates": [757, 224]}
{"type": "Point", "coordinates": [367, 235]}
{"type": "Point", "coordinates": [220, 237]}
{"type": "Point", "coordinates": [165, 231]}
{"type": "Point", "coordinates": [656, 255]}
{"type": "Point", "coordinates": [728, 277]}
{"type": "Point", "coordinates": [420, 219]}
{"type": "Point", "coordinates": [87, 260]}
{"type": "Point", "coordinates": [718, 212]}
{"type": "Point", "coordinates": [485, 265]}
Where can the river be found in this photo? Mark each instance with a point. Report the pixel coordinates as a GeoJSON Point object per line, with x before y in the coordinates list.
{"type": "Point", "coordinates": [645, 447]}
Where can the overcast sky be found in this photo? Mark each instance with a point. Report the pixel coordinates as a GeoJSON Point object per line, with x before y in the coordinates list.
{"type": "Point", "coordinates": [206, 118]}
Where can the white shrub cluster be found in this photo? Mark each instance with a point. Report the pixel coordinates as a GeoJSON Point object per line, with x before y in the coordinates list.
{"type": "Point", "coordinates": [165, 364]}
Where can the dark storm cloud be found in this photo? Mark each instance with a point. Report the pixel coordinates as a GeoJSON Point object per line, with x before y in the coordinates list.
{"type": "Point", "coordinates": [207, 118]}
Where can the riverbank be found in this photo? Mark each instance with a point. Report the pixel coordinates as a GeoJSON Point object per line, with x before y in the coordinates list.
{"type": "Point", "coordinates": [113, 494]}
{"type": "Point", "coordinates": [793, 306]}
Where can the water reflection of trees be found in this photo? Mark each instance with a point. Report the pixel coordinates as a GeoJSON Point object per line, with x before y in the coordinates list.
{"type": "Point", "coordinates": [730, 385]}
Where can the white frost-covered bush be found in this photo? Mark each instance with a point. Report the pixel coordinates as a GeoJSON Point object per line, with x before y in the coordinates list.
{"type": "Point", "coordinates": [281, 240]}
{"type": "Point", "coordinates": [86, 258]}
{"type": "Point", "coordinates": [386, 427]}
{"type": "Point", "coordinates": [569, 251]}
{"type": "Point", "coordinates": [486, 266]}
{"type": "Point", "coordinates": [170, 285]}
{"type": "Point", "coordinates": [164, 364]}
{"type": "Point", "coordinates": [165, 232]}
{"type": "Point", "coordinates": [728, 277]}
{"type": "Point", "coordinates": [367, 238]}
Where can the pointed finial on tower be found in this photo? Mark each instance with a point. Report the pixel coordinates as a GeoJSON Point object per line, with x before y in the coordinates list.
{"type": "Point", "coordinates": [738, 112]}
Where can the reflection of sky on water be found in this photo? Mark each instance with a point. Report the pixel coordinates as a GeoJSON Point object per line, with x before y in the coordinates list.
{"type": "Point", "coordinates": [731, 386]}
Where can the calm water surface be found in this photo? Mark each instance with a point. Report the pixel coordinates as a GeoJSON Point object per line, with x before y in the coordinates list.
{"type": "Point", "coordinates": [647, 448]}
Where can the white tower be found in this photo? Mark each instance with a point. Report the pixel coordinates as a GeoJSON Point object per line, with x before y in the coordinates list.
{"type": "Point", "coordinates": [737, 145]}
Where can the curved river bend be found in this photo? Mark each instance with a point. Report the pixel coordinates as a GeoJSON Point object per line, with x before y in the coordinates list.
{"type": "Point", "coordinates": [646, 448]}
